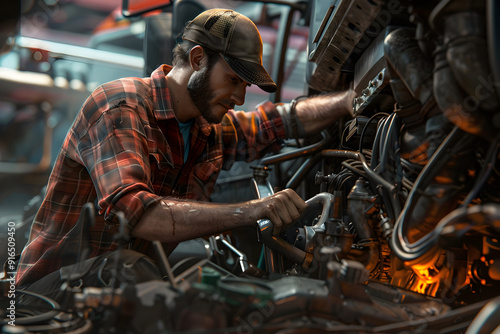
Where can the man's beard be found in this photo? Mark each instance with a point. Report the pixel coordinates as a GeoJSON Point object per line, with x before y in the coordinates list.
{"type": "Point", "coordinates": [200, 92]}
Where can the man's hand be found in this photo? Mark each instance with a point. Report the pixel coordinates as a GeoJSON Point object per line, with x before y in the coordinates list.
{"type": "Point", "coordinates": [282, 209]}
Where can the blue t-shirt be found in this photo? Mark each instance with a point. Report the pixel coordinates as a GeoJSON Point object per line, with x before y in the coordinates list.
{"type": "Point", "coordinates": [185, 128]}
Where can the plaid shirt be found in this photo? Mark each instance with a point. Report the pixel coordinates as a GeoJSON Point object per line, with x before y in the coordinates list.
{"type": "Point", "coordinates": [124, 153]}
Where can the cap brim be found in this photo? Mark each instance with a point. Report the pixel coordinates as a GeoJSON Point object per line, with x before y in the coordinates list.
{"type": "Point", "coordinates": [252, 73]}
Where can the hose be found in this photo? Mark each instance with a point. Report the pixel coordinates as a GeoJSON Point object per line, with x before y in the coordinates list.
{"type": "Point", "coordinates": [491, 157]}
{"type": "Point", "coordinates": [49, 315]}
{"type": "Point", "coordinates": [399, 244]}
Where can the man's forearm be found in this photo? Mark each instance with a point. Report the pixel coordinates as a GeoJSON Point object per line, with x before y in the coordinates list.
{"type": "Point", "coordinates": [175, 221]}
{"type": "Point", "coordinates": [319, 112]}
{"type": "Point", "coordinates": [172, 221]}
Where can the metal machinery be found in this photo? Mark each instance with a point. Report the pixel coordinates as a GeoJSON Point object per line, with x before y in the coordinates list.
{"type": "Point", "coordinates": [402, 232]}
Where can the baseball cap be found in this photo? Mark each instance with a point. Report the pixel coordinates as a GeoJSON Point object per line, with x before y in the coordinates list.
{"type": "Point", "coordinates": [237, 40]}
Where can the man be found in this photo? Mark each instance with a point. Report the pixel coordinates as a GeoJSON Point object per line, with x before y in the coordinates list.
{"type": "Point", "coordinates": [152, 149]}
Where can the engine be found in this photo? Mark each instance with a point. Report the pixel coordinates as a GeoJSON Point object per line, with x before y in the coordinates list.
{"type": "Point", "coordinates": [402, 229]}
{"type": "Point", "coordinates": [413, 177]}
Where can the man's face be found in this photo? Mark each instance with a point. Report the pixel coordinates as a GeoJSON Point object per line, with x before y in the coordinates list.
{"type": "Point", "coordinates": [216, 89]}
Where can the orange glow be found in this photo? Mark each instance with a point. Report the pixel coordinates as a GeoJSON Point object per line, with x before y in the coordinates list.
{"type": "Point", "coordinates": [421, 286]}
{"type": "Point", "coordinates": [427, 274]}
{"type": "Point", "coordinates": [424, 288]}
{"type": "Point", "coordinates": [427, 278]}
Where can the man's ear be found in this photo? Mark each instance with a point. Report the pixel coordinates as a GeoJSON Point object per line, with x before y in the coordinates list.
{"type": "Point", "coordinates": [196, 57]}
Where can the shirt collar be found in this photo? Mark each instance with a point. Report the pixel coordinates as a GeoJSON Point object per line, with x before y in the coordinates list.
{"type": "Point", "coordinates": [162, 99]}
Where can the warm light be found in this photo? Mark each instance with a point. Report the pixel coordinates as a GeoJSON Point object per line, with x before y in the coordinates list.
{"type": "Point", "coordinates": [427, 280]}
{"type": "Point", "coordinates": [426, 274]}
{"type": "Point", "coordinates": [421, 286]}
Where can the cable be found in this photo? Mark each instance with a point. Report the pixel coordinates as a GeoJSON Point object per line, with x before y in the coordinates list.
{"type": "Point", "coordinates": [491, 157]}
{"type": "Point", "coordinates": [354, 169]}
{"type": "Point", "coordinates": [366, 126]}
{"type": "Point", "coordinates": [398, 241]}
{"type": "Point", "coordinates": [391, 124]}
{"type": "Point", "coordinates": [380, 146]}
{"type": "Point", "coordinates": [388, 192]}
{"type": "Point", "coordinates": [370, 173]}
{"type": "Point", "coordinates": [39, 317]}
{"type": "Point", "coordinates": [399, 244]}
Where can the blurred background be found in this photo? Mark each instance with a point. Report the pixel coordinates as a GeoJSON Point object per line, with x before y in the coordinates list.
{"type": "Point", "coordinates": [56, 52]}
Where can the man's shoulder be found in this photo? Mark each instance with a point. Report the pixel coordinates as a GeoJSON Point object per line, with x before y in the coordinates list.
{"type": "Point", "coordinates": [130, 88]}
{"type": "Point", "coordinates": [131, 91]}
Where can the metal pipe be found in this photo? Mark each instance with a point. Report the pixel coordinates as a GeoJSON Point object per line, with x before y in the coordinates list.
{"type": "Point", "coordinates": [279, 245]}
{"type": "Point", "coordinates": [340, 154]}
{"type": "Point", "coordinates": [260, 182]}
{"type": "Point", "coordinates": [486, 321]}
{"type": "Point", "coordinates": [289, 251]}
{"type": "Point", "coordinates": [374, 177]}
{"type": "Point", "coordinates": [301, 173]}
{"type": "Point", "coordinates": [360, 200]}
{"type": "Point", "coordinates": [305, 151]}
{"type": "Point", "coordinates": [164, 264]}
{"type": "Point", "coordinates": [242, 258]}
{"type": "Point", "coordinates": [325, 200]}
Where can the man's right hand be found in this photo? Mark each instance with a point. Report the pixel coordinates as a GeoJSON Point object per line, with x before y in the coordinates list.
{"type": "Point", "coordinates": [282, 209]}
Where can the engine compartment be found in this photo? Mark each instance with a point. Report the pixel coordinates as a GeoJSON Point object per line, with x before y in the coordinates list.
{"type": "Point", "coordinates": [403, 233]}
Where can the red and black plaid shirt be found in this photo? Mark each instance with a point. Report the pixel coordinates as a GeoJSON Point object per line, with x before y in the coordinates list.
{"type": "Point", "coordinates": [123, 153]}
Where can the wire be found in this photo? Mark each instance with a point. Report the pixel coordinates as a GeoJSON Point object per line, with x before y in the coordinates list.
{"type": "Point", "coordinates": [354, 169]}
{"type": "Point", "coordinates": [375, 152]}
{"type": "Point", "coordinates": [401, 247]}
{"type": "Point", "coordinates": [39, 317]}
{"type": "Point", "coordinates": [389, 141]}
{"type": "Point", "coordinates": [366, 126]}
{"type": "Point", "coordinates": [411, 167]}
{"type": "Point", "coordinates": [379, 148]}
{"type": "Point", "coordinates": [491, 157]}
{"type": "Point", "coordinates": [370, 173]}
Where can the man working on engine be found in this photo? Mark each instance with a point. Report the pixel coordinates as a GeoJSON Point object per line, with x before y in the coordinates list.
{"type": "Point", "coordinates": [152, 148]}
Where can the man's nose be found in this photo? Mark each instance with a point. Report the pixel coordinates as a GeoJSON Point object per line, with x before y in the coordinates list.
{"type": "Point", "coordinates": [239, 93]}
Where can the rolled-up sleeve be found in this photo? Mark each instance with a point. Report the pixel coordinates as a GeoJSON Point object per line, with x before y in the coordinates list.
{"type": "Point", "coordinates": [250, 135]}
